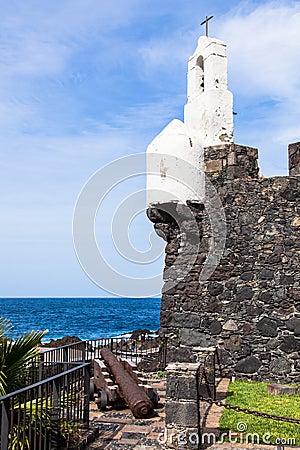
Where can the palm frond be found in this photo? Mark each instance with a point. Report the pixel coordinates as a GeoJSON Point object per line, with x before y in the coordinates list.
{"type": "Point", "coordinates": [5, 327]}
{"type": "Point", "coordinates": [16, 355]}
{"type": "Point", "coordinates": [3, 384]}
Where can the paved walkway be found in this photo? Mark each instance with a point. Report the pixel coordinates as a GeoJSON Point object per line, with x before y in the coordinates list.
{"type": "Point", "coordinates": [213, 413]}
{"type": "Point", "coordinates": [120, 430]}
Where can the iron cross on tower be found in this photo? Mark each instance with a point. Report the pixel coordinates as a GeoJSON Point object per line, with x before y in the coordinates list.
{"type": "Point", "coordinates": [206, 23]}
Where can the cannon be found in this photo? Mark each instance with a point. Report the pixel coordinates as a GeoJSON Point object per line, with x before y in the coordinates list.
{"type": "Point", "coordinates": [135, 397]}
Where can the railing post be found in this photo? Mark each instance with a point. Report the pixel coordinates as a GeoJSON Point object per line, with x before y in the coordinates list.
{"type": "Point", "coordinates": [136, 353]}
{"type": "Point", "coordinates": [162, 354]}
{"type": "Point", "coordinates": [87, 387]}
{"type": "Point", "coordinates": [96, 348]}
{"type": "Point", "coordinates": [40, 377]}
{"type": "Point", "coordinates": [112, 345]}
{"type": "Point", "coordinates": [65, 358]}
{"type": "Point", "coordinates": [83, 347]}
{"type": "Point", "coordinates": [54, 416]}
{"type": "Point", "coordinates": [5, 424]}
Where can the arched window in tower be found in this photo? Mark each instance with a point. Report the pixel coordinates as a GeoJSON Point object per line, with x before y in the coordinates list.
{"type": "Point", "coordinates": [200, 73]}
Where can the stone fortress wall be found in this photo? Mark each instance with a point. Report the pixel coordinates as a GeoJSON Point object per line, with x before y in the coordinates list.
{"type": "Point", "coordinates": [250, 307]}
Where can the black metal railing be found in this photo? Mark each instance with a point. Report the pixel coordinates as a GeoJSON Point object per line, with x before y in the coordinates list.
{"type": "Point", "coordinates": [127, 348]}
{"type": "Point", "coordinates": [40, 370]}
{"type": "Point", "coordinates": [75, 352]}
{"type": "Point", "coordinates": [48, 414]}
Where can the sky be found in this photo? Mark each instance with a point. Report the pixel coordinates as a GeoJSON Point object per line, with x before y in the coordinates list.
{"type": "Point", "coordinates": [85, 82]}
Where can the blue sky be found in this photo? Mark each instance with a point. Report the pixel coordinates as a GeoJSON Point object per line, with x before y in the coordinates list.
{"type": "Point", "coordinates": [83, 82]}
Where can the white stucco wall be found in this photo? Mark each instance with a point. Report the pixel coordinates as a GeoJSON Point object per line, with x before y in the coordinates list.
{"type": "Point", "coordinates": [173, 167]}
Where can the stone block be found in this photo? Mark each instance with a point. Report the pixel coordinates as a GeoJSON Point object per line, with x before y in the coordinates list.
{"type": "Point", "coordinates": [267, 327]}
{"type": "Point", "coordinates": [272, 344]}
{"type": "Point", "coordinates": [215, 288]}
{"type": "Point", "coordinates": [180, 354]}
{"type": "Point", "coordinates": [182, 413]}
{"type": "Point", "coordinates": [281, 389]}
{"type": "Point", "coordinates": [266, 274]}
{"type": "Point", "coordinates": [296, 221]}
{"type": "Point", "coordinates": [251, 364]}
{"type": "Point", "coordinates": [233, 344]}
{"type": "Point", "coordinates": [280, 366]}
{"type": "Point", "coordinates": [292, 323]}
{"type": "Point", "coordinates": [230, 325]}
{"type": "Point", "coordinates": [244, 293]}
{"type": "Point", "coordinates": [290, 344]}
{"type": "Point", "coordinates": [215, 327]}
{"type": "Point", "coordinates": [231, 160]}
{"type": "Point", "coordinates": [294, 158]}
{"type": "Point", "coordinates": [187, 320]}
{"type": "Point", "coordinates": [214, 165]}
{"type": "Point", "coordinates": [193, 338]}
{"type": "Point", "coordinates": [183, 387]}
{"type": "Point", "coordinates": [181, 368]}
{"type": "Point", "coordinates": [235, 172]}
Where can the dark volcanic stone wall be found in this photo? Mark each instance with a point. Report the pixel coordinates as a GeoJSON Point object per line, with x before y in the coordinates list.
{"type": "Point", "coordinates": [294, 158]}
{"type": "Point", "coordinates": [250, 306]}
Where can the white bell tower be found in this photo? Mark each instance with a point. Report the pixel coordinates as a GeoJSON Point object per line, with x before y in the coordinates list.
{"type": "Point", "coordinates": [175, 157]}
{"type": "Point", "coordinates": [208, 114]}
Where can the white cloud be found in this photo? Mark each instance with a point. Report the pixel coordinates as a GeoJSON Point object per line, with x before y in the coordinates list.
{"type": "Point", "coordinates": [264, 63]}
{"type": "Point", "coordinates": [263, 49]}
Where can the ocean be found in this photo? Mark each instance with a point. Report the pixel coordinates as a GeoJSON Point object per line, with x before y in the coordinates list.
{"type": "Point", "coordinates": [87, 318]}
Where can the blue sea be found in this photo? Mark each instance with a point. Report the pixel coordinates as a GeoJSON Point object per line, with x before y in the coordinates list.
{"type": "Point", "coordinates": [87, 318]}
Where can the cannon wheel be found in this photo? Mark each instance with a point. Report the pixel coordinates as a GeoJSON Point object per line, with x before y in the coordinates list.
{"type": "Point", "coordinates": [103, 400]}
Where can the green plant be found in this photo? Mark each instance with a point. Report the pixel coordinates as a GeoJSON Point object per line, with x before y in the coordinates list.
{"type": "Point", "coordinates": [15, 355]}
{"type": "Point", "coordinates": [36, 416]}
{"type": "Point", "coordinates": [36, 419]}
{"type": "Point", "coordinates": [161, 374]}
{"type": "Point", "coordinates": [69, 432]}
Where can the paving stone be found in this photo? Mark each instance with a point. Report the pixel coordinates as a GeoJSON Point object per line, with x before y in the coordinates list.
{"type": "Point", "coordinates": [136, 429]}
{"type": "Point", "coordinates": [126, 441]}
{"type": "Point", "coordinates": [112, 420]}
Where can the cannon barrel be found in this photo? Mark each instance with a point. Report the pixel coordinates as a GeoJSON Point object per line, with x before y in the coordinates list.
{"type": "Point", "coordinates": [135, 397]}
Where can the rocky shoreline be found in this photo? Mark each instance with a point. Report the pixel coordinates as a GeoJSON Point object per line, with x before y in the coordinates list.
{"type": "Point", "coordinates": [138, 335]}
